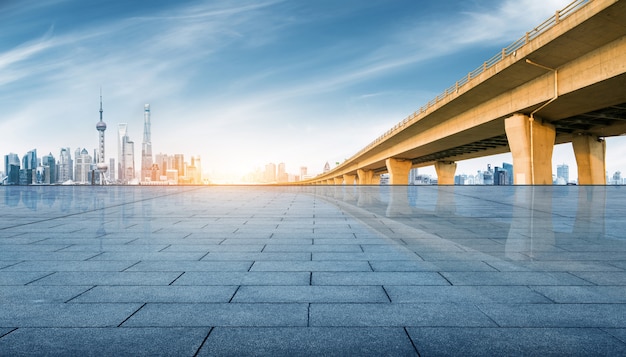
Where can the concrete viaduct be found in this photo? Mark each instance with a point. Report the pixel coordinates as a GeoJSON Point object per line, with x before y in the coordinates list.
{"type": "Point", "coordinates": [564, 81]}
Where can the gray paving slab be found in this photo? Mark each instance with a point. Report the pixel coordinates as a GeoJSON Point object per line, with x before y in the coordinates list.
{"type": "Point", "coordinates": [464, 294]}
{"type": "Point", "coordinates": [185, 265]}
{"type": "Point", "coordinates": [144, 294]}
{"type": "Point", "coordinates": [20, 278]}
{"type": "Point", "coordinates": [103, 341]}
{"type": "Point", "coordinates": [107, 278]}
{"type": "Point", "coordinates": [219, 314]}
{"type": "Point", "coordinates": [557, 315]}
{"type": "Point", "coordinates": [312, 266]}
{"type": "Point", "coordinates": [431, 341]}
{"type": "Point", "coordinates": [308, 341]}
{"type": "Point", "coordinates": [366, 256]}
{"type": "Point", "coordinates": [82, 266]}
{"type": "Point", "coordinates": [312, 248]}
{"type": "Point", "coordinates": [268, 256]}
{"type": "Point", "coordinates": [513, 278]}
{"type": "Point", "coordinates": [39, 294]}
{"type": "Point", "coordinates": [603, 278]}
{"type": "Point", "coordinates": [310, 294]}
{"type": "Point", "coordinates": [26, 314]}
{"type": "Point", "coordinates": [378, 278]}
{"type": "Point", "coordinates": [243, 278]}
{"type": "Point", "coordinates": [416, 265]}
{"type": "Point", "coordinates": [584, 294]}
{"type": "Point", "coordinates": [389, 315]}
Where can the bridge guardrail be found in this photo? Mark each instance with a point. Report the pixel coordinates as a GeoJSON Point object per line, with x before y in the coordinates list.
{"type": "Point", "coordinates": [507, 51]}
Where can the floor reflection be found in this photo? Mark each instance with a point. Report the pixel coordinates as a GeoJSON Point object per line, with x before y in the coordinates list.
{"type": "Point", "coordinates": [510, 222]}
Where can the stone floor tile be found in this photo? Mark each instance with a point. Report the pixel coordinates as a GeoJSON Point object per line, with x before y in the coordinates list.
{"type": "Point", "coordinates": [219, 314]}
{"type": "Point", "coordinates": [513, 278]}
{"type": "Point", "coordinates": [308, 341]}
{"type": "Point", "coordinates": [464, 294]}
{"type": "Point", "coordinates": [584, 294]}
{"type": "Point", "coordinates": [378, 278]}
{"type": "Point", "coordinates": [444, 341]}
{"type": "Point", "coordinates": [310, 294]}
{"type": "Point", "coordinates": [312, 266]}
{"type": "Point", "coordinates": [557, 315]}
{"type": "Point", "coordinates": [388, 315]}
{"type": "Point", "coordinates": [26, 314]}
{"type": "Point", "coordinates": [244, 278]}
{"type": "Point", "coordinates": [170, 341]}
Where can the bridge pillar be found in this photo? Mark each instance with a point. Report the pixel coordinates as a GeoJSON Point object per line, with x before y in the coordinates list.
{"type": "Point", "coordinates": [376, 179]}
{"type": "Point", "coordinates": [338, 180]}
{"type": "Point", "coordinates": [349, 180]}
{"type": "Point", "coordinates": [364, 176]}
{"type": "Point", "coordinates": [590, 157]}
{"type": "Point", "coordinates": [445, 172]}
{"type": "Point", "coordinates": [330, 182]}
{"type": "Point", "coordinates": [531, 144]}
{"type": "Point", "coordinates": [398, 171]}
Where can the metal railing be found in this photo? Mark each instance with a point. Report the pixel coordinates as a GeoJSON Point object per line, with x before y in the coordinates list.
{"type": "Point", "coordinates": [506, 52]}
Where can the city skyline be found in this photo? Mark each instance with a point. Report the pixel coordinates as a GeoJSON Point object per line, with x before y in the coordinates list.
{"type": "Point", "coordinates": [244, 85]}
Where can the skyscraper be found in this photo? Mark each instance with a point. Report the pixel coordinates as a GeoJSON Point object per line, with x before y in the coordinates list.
{"type": "Point", "coordinates": [66, 171]}
{"type": "Point", "coordinates": [82, 160]}
{"type": "Point", "coordinates": [12, 169]}
{"type": "Point", "coordinates": [126, 155]}
{"type": "Point", "coordinates": [146, 146]}
{"type": "Point", "coordinates": [101, 127]}
{"type": "Point", "coordinates": [563, 172]}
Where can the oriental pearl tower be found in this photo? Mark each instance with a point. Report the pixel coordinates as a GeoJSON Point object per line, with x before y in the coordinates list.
{"type": "Point", "coordinates": [101, 127]}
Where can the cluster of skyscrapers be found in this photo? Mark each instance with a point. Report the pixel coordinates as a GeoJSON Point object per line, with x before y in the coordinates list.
{"type": "Point", "coordinates": [87, 169]}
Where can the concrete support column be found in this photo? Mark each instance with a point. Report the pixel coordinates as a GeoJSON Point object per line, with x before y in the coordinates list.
{"type": "Point", "coordinates": [445, 172]}
{"type": "Point", "coordinates": [398, 171]}
{"type": "Point", "coordinates": [376, 180]}
{"type": "Point", "coordinates": [364, 176]}
{"type": "Point", "coordinates": [338, 180]}
{"type": "Point", "coordinates": [590, 155]}
{"type": "Point", "coordinates": [330, 182]}
{"type": "Point", "coordinates": [349, 180]}
{"type": "Point", "coordinates": [531, 144]}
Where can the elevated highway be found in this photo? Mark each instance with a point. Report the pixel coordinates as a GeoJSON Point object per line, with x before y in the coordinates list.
{"type": "Point", "coordinates": [564, 81]}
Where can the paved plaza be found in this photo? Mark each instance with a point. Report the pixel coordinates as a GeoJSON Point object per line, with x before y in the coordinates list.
{"type": "Point", "coordinates": [316, 270]}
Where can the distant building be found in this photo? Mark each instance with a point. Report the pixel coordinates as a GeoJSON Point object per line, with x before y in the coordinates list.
{"type": "Point", "coordinates": [500, 177]}
{"type": "Point", "coordinates": [66, 166]}
{"type": "Point", "coordinates": [562, 171]}
{"type": "Point", "coordinates": [270, 172]}
{"type": "Point", "coordinates": [488, 176]}
{"type": "Point", "coordinates": [12, 169]}
{"type": "Point", "coordinates": [49, 169]}
{"type": "Point", "coordinates": [125, 155]}
{"type": "Point", "coordinates": [303, 172]}
{"type": "Point", "coordinates": [509, 170]}
{"type": "Point", "coordinates": [326, 167]}
{"type": "Point", "coordinates": [413, 173]}
{"type": "Point", "coordinates": [146, 147]}
{"type": "Point", "coordinates": [82, 166]}
{"type": "Point", "coordinates": [282, 173]}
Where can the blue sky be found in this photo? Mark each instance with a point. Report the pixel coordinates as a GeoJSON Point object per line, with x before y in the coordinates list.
{"type": "Point", "coordinates": [244, 83]}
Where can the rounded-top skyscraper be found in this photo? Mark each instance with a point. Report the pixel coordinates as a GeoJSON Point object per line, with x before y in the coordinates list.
{"type": "Point", "coordinates": [101, 127]}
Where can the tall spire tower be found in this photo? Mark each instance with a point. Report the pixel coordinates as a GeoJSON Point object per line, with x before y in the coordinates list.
{"type": "Point", "coordinates": [146, 146]}
{"type": "Point", "coordinates": [101, 127]}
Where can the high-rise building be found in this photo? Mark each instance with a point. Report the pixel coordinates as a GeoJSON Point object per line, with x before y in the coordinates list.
{"type": "Point", "coordinates": [326, 167]}
{"type": "Point", "coordinates": [563, 172]}
{"type": "Point", "coordinates": [101, 127]}
{"type": "Point", "coordinates": [270, 172]}
{"type": "Point", "coordinates": [303, 172]}
{"type": "Point", "coordinates": [66, 167]}
{"type": "Point", "coordinates": [146, 146]}
{"type": "Point", "coordinates": [82, 168]}
{"type": "Point", "coordinates": [48, 163]}
{"type": "Point", "coordinates": [12, 169]}
{"type": "Point", "coordinates": [282, 175]}
{"type": "Point", "coordinates": [111, 170]}
{"type": "Point", "coordinates": [126, 155]}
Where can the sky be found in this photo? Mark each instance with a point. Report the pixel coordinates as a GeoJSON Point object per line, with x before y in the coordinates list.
{"type": "Point", "coordinates": [245, 83]}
